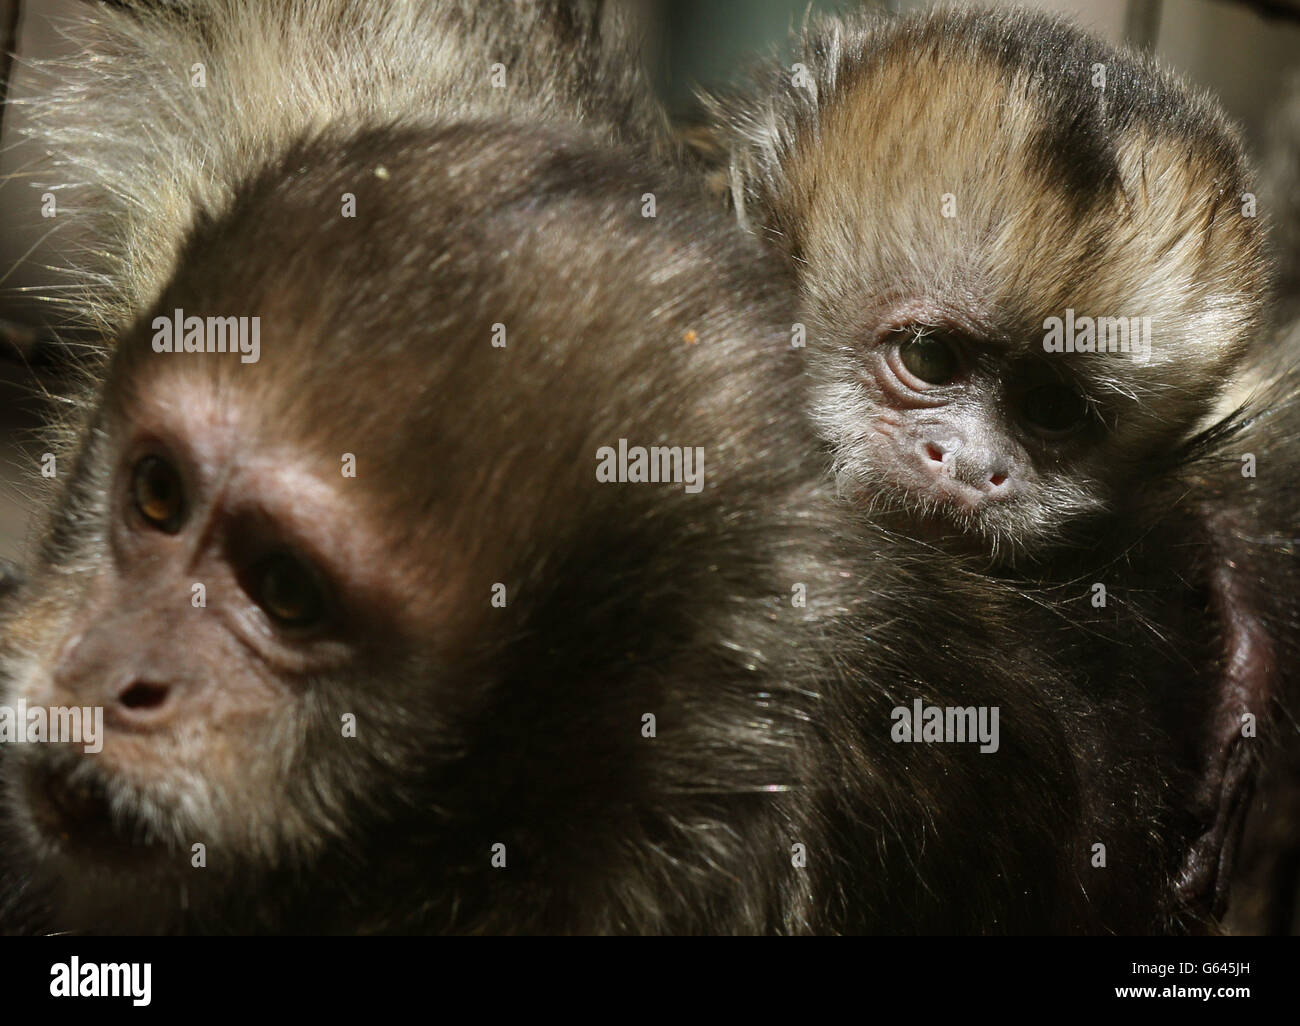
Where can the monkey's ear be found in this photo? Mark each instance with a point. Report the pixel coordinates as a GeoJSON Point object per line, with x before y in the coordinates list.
{"type": "Point", "coordinates": [1245, 687]}
{"type": "Point", "coordinates": [1250, 602]}
{"type": "Point", "coordinates": [1248, 596]}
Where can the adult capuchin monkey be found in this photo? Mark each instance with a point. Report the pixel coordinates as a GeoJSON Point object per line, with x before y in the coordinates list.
{"type": "Point", "coordinates": [390, 622]}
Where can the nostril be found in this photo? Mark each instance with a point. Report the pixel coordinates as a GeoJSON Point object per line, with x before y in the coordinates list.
{"type": "Point", "coordinates": [144, 696]}
{"type": "Point", "coordinates": [934, 452]}
{"type": "Point", "coordinates": [998, 480]}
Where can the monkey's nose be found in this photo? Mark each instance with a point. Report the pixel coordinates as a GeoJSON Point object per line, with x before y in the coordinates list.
{"type": "Point", "coordinates": [143, 704]}
{"type": "Point", "coordinates": [987, 475]}
{"type": "Point", "coordinates": [985, 472]}
{"type": "Point", "coordinates": [998, 482]}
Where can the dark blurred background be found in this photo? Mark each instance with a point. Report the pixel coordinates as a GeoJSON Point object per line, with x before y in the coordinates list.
{"type": "Point", "coordinates": [1239, 50]}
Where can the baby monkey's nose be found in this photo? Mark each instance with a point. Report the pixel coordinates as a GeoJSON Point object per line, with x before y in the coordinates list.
{"type": "Point", "coordinates": [975, 466]}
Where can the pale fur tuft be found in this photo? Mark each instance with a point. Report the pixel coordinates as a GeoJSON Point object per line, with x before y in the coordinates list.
{"type": "Point", "coordinates": [137, 147]}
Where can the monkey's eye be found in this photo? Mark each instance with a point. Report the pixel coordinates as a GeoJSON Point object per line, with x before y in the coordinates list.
{"type": "Point", "coordinates": [1054, 409]}
{"type": "Point", "coordinates": [290, 591]}
{"type": "Point", "coordinates": [932, 358]}
{"type": "Point", "coordinates": [158, 494]}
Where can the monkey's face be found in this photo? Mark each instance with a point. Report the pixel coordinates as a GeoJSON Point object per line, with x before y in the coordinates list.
{"type": "Point", "coordinates": [957, 437]}
{"type": "Point", "coordinates": [222, 609]}
{"type": "Point", "coordinates": [302, 662]}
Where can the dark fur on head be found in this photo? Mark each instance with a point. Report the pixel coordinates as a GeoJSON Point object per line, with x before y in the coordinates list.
{"type": "Point", "coordinates": [478, 725]}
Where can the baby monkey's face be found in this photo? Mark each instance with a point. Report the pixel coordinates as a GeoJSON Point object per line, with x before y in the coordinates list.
{"type": "Point", "coordinates": [962, 435]}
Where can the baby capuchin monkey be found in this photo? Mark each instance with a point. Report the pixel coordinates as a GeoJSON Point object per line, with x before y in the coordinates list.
{"type": "Point", "coordinates": [1028, 263]}
{"type": "Point", "coordinates": [1032, 274]}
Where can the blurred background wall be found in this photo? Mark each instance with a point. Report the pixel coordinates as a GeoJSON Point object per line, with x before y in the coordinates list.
{"type": "Point", "coordinates": [1240, 50]}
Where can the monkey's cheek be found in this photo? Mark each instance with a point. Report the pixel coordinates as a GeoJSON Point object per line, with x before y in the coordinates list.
{"type": "Point", "coordinates": [33, 688]}
{"type": "Point", "coordinates": [34, 640]}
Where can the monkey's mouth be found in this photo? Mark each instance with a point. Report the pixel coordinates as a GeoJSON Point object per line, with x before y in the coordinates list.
{"type": "Point", "coordinates": [987, 533]}
{"type": "Point", "coordinates": [941, 516]}
{"type": "Point", "coordinates": [78, 815]}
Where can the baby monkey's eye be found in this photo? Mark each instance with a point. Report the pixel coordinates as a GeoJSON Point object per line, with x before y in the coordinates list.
{"type": "Point", "coordinates": [290, 591]}
{"type": "Point", "coordinates": [1054, 409]}
{"type": "Point", "coordinates": [158, 494]}
{"type": "Point", "coordinates": [932, 358]}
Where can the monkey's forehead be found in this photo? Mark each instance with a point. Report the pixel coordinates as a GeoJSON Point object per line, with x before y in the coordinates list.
{"type": "Point", "coordinates": [499, 294]}
{"type": "Point", "coordinates": [1084, 90]}
{"type": "Point", "coordinates": [958, 123]}
{"type": "Point", "coordinates": [1007, 124]}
